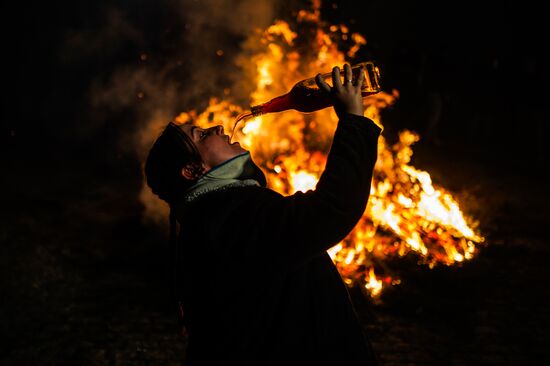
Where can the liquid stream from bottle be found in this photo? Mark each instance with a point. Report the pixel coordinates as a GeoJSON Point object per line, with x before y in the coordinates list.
{"type": "Point", "coordinates": [240, 117]}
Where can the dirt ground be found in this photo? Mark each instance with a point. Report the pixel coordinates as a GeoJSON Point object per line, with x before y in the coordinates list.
{"type": "Point", "coordinates": [82, 277]}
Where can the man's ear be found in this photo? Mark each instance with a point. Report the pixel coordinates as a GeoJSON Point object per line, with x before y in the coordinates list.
{"type": "Point", "coordinates": [192, 171]}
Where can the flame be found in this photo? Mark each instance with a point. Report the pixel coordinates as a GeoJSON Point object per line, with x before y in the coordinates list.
{"type": "Point", "coordinates": [407, 214]}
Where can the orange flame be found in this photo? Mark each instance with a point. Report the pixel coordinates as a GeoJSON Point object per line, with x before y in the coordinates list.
{"type": "Point", "coordinates": [406, 214]}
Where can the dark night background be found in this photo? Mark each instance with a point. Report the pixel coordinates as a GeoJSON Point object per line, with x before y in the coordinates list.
{"type": "Point", "coordinates": [83, 276]}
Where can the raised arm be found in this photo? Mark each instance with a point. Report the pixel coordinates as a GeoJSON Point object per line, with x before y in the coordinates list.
{"type": "Point", "coordinates": [307, 224]}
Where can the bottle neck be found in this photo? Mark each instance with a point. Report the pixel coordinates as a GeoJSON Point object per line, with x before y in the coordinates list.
{"type": "Point", "coordinates": [278, 104]}
{"type": "Point", "coordinates": [257, 110]}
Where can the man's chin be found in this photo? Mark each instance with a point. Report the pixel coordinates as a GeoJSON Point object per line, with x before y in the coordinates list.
{"type": "Point", "coordinates": [237, 146]}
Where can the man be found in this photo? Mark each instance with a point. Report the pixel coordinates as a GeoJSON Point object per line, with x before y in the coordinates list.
{"type": "Point", "coordinates": [254, 278]}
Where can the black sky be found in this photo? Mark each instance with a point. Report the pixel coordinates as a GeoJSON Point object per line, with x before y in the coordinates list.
{"type": "Point", "coordinates": [484, 59]}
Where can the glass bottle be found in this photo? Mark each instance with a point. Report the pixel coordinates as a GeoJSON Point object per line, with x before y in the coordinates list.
{"type": "Point", "coordinates": [305, 95]}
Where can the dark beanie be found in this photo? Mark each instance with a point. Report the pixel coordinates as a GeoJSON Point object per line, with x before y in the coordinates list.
{"type": "Point", "coordinates": [170, 152]}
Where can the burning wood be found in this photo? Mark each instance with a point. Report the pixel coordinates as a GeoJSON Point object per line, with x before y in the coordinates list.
{"type": "Point", "coordinates": [407, 213]}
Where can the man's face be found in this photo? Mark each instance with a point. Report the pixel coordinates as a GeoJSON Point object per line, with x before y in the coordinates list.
{"type": "Point", "coordinates": [213, 145]}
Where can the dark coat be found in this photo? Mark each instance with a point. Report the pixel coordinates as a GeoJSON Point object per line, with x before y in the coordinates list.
{"type": "Point", "coordinates": [257, 284]}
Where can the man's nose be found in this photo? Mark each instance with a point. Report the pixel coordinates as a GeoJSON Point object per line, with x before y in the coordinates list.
{"type": "Point", "coordinates": [219, 129]}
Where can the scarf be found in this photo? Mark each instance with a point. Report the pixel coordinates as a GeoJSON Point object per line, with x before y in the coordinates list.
{"type": "Point", "coordinates": [239, 171]}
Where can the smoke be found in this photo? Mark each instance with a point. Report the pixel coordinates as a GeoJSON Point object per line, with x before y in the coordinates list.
{"type": "Point", "coordinates": [171, 64]}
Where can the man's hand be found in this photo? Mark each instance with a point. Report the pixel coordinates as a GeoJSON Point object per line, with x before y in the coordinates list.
{"type": "Point", "coordinates": [346, 97]}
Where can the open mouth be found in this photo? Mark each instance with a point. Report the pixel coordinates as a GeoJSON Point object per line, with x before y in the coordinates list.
{"type": "Point", "coordinates": [229, 141]}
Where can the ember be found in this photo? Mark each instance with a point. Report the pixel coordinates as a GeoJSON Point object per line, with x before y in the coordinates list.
{"type": "Point", "coordinates": [407, 214]}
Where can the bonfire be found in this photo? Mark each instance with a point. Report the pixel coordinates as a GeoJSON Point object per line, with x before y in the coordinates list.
{"type": "Point", "coordinates": [407, 214]}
